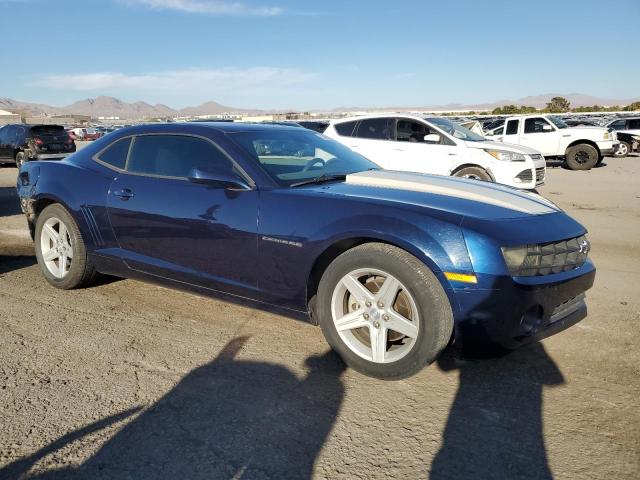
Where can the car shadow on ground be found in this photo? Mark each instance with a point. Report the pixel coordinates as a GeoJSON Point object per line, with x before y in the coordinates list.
{"type": "Point", "coordinates": [495, 426]}
{"type": "Point", "coordinates": [9, 263]}
{"type": "Point", "coordinates": [9, 202]}
{"type": "Point", "coordinates": [229, 418]}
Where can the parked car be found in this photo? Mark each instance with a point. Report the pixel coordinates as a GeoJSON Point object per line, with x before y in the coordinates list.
{"type": "Point", "coordinates": [92, 134]}
{"type": "Point", "coordinates": [79, 132]}
{"type": "Point", "coordinates": [316, 125]}
{"type": "Point", "coordinates": [580, 122]}
{"type": "Point", "coordinates": [629, 125]}
{"type": "Point", "coordinates": [629, 142]}
{"type": "Point", "coordinates": [439, 146]}
{"type": "Point", "coordinates": [581, 148]}
{"type": "Point", "coordinates": [20, 143]}
{"type": "Point", "coordinates": [389, 264]}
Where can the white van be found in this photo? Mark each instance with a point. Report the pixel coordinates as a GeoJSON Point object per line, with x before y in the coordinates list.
{"type": "Point", "coordinates": [439, 146]}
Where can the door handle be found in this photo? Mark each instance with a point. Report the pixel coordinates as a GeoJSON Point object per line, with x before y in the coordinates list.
{"type": "Point", "coordinates": [124, 194]}
{"type": "Point", "coordinates": [452, 154]}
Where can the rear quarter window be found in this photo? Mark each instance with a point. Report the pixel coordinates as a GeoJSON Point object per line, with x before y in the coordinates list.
{"type": "Point", "coordinates": [116, 153]}
{"type": "Point", "coordinates": [345, 129]}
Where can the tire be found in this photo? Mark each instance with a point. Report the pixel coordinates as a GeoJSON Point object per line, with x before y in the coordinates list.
{"type": "Point", "coordinates": [623, 150]}
{"type": "Point", "coordinates": [581, 157]}
{"type": "Point", "coordinates": [420, 307]}
{"type": "Point", "coordinates": [475, 173]}
{"type": "Point", "coordinates": [20, 159]}
{"type": "Point", "coordinates": [78, 270]}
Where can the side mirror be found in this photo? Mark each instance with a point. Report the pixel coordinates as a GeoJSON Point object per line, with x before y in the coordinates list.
{"type": "Point", "coordinates": [432, 138]}
{"type": "Point", "coordinates": [547, 128]}
{"type": "Point", "coordinates": [217, 179]}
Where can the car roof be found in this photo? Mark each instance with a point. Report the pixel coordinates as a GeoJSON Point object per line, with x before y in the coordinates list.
{"type": "Point", "coordinates": [223, 127]}
{"type": "Point", "coordinates": [376, 115]}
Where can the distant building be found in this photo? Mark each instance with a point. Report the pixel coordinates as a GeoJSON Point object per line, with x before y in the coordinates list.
{"type": "Point", "coordinates": [9, 117]}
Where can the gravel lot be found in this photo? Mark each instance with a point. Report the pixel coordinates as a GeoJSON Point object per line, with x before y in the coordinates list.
{"type": "Point", "coordinates": [130, 380]}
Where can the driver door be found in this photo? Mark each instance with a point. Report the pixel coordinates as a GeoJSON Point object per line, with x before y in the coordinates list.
{"type": "Point", "coordinates": [540, 135]}
{"type": "Point", "coordinates": [171, 227]}
{"type": "Point", "coordinates": [411, 152]}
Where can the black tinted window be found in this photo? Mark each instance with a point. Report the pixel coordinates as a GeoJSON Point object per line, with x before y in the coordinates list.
{"type": "Point", "coordinates": [536, 125]}
{"type": "Point", "coordinates": [634, 124]}
{"type": "Point", "coordinates": [375, 128]}
{"type": "Point", "coordinates": [116, 154]}
{"type": "Point", "coordinates": [175, 156]}
{"type": "Point", "coordinates": [512, 127]}
{"type": "Point", "coordinates": [410, 131]}
{"type": "Point", "coordinates": [617, 125]}
{"type": "Point", "coordinates": [345, 129]}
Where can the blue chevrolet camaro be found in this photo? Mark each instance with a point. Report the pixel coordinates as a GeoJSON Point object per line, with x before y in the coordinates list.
{"type": "Point", "coordinates": [391, 265]}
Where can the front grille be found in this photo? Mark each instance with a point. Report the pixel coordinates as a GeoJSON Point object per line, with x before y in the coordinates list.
{"type": "Point", "coordinates": [540, 174]}
{"type": "Point", "coordinates": [554, 257]}
{"type": "Point", "coordinates": [525, 176]}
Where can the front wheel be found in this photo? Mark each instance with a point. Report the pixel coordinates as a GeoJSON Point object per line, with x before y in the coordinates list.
{"type": "Point", "coordinates": [474, 173]}
{"type": "Point", "coordinates": [582, 157]}
{"type": "Point", "coordinates": [60, 249]}
{"type": "Point", "coordinates": [623, 150]}
{"type": "Point", "coordinates": [383, 311]}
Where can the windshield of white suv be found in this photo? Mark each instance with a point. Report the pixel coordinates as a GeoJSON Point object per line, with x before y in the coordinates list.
{"type": "Point", "coordinates": [455, 130]}
{"type": "Point", "coordinates": [557, 121]}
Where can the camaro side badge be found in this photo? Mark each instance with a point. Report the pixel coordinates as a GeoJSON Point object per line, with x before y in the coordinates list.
{"type": "Point", "coordinates": [282, 241]}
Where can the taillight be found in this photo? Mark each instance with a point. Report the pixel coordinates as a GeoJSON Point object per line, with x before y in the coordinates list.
{"type": "Point", "coordinates": [39, 142]}
{"type": "Point", "coordinates": [69, 141]}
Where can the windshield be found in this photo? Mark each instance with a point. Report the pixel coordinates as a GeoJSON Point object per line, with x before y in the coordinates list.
{"type": "Point", "coordinates": [294, 155]}
{"type": "Point", "coordinates": [557, 121]}
{"type": "Point", "coordinates": [455, 130]}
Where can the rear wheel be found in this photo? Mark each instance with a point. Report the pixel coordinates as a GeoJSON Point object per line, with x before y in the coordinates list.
{"type": "Point", "coordinates": [581, 157]}
{"type": "Point", "coordinates": [60, 249]}
{"type": "Point", "coordinates": [383, 311]}
{"type": "Point", "coordinates": [474, 173]}
{"type": "Point", "coordinates": [623, 150]}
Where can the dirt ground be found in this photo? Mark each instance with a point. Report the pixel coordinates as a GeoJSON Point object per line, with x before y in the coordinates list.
{"type": "Point", "coordinates": [130, 380]}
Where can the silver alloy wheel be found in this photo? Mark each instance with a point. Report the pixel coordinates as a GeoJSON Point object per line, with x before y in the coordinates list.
{"type": "Point", "coordinates": [622, 150]}
{"type": "Point", "coordinates": [56, 248]}
{"type": "Point", "coordinates": [375, 315]}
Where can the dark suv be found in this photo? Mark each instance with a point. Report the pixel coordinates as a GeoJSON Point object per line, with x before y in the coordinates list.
{"type": "Point", "coordinates": [20, 143]}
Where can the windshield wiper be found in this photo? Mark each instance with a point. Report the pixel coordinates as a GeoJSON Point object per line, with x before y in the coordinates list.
{"type": "Point", "coordinates": [321, 179]}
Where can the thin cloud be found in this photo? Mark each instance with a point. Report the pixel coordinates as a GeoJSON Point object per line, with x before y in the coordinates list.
{"type": "Point", "coordinates": [207, 81]}
{"type": "Point", "coordinates": [208, 7]}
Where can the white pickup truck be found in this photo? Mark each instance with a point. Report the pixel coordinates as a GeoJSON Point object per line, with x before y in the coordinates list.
{"type": "Point", "coordinates": [581, 148]}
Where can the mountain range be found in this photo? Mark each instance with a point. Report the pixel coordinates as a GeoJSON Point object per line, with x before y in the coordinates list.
{"type": "Point", "coordinates": [110, 106]}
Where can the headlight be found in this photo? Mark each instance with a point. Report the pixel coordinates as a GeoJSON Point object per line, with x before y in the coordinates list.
{"type": "Point", "coordinates": [506, 156]}
{"type": "Point", "coordinates": [546, 258]}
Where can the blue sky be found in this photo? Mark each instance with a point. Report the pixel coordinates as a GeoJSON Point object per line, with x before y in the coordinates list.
{"type": "Point", "coordinates": [319, 54]}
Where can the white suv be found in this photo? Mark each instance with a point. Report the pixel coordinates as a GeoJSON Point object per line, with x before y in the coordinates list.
{"type": "Point", "coordinates": [438, 146]}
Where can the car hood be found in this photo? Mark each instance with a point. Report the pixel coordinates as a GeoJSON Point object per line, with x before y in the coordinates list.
{"type": "Point", "coordinates": [509, 147]}
{"type": "Point", "coordinates": [443, 196]}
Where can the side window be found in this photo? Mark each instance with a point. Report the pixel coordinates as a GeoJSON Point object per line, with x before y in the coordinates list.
{"type": "Point", "coordinates": [375, 128]}
{"type": "Point", "coordinates": [345, 129]}
{"type": "Point", "coordinates": [116, 153]}
{"type": "Point", "coordinates": [537, 125]}
{"type": "Point", "coordinates": [512, 127]}
{"type": "Point", "coordinates": [410, 131]}
{"type": "Point", "coordinates": [175, 156]}
{"type": "Point", "coordinates": [617, 125]}
{"type": "Point", "coordinates": [634, 124]}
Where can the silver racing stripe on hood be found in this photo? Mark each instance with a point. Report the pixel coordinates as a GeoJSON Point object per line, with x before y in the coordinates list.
{"type": "Point", "coordinates": [475, 190]}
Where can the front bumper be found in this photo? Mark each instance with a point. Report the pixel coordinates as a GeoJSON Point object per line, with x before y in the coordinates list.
{"type": "Point", "coordinates": [516, 311]}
